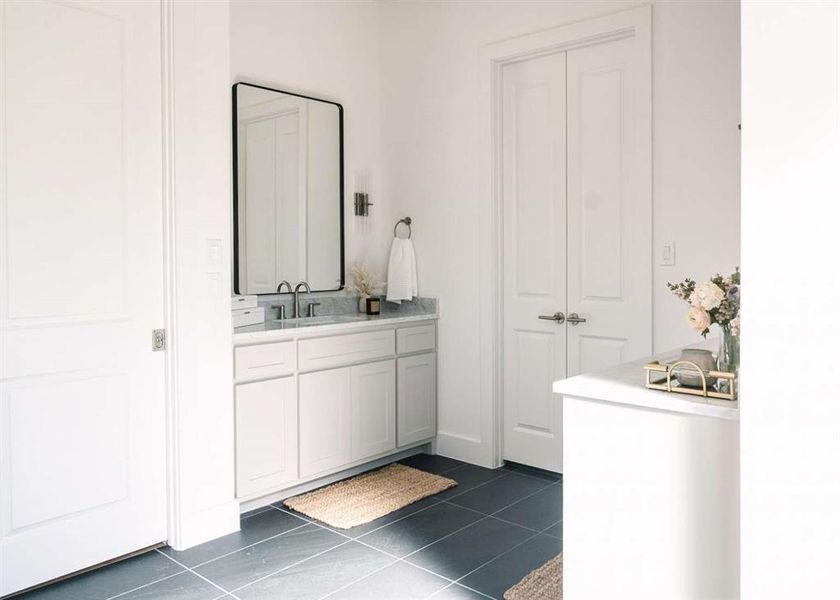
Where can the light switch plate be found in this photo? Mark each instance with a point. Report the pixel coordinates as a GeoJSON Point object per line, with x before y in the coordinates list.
{"type": "Point", "coordinates": [668, 257]}
{"type": "Point", "coordinates": [214, 252]}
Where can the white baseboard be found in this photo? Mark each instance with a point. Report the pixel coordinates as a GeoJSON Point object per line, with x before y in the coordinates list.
{"type": "Point", "coordinates": [465, 449]}
{"type": "Point", "coordinates": [207, 524]}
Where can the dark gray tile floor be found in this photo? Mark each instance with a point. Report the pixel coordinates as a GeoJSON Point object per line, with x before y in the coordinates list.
{"type": "Point", "coordinates": [473, 541]}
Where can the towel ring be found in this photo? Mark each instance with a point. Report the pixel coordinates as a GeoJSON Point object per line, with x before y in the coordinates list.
{"type": "Point", "coordinates": [407, 222]}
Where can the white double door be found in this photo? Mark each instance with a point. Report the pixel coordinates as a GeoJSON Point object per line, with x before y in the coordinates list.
{"type": "Point", "coordinates": [577, 233]}
{"type": "Point", "coordinates": [82, 411]}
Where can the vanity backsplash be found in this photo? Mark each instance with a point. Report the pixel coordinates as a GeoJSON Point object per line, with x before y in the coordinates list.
{"type": "Point", "coordinates": [342, 304]}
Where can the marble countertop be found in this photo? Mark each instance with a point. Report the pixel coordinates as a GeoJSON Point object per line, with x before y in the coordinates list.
{"type": "Point", "coordinates": [290, 328]}
{"type": "Point", "coordinates": [625, 384]}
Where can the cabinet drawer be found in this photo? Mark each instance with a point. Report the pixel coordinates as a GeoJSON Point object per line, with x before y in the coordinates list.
{"type": "Point", "coordinates": [415, 339]}
{"type": "Point", "coordinates": [324, 353]}
{"type": "Point", "coordinates": [264, 360]}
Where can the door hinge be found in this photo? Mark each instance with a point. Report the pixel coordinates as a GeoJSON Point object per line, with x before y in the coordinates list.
{"type": "Point", "coordinates": [158, 340]}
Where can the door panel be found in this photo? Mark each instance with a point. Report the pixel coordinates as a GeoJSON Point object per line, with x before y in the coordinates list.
{"type": "Point", "coordinates": [266, 435]}
{"type": "Point", "coordinates": [416, 398]}
{"type": "Point", "coordinates": [82, 420]}
{"type": "Point", "coordinates": [373, 391]}
{"type": "Point", "coordinates": [534, 189]}
{"type": "Point", "coordinates": [325, 430]}
{"type": "Point", "coordinates": [609, 209]}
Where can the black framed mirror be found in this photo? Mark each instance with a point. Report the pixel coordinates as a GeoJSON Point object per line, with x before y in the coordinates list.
{"type": "Point", "coordinates": [288, 190]}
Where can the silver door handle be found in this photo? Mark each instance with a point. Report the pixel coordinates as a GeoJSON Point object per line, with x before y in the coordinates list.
{"type": "Point", "coordinates": [557, 317]}
{"type": "Point", "coordinates": [574, 319]}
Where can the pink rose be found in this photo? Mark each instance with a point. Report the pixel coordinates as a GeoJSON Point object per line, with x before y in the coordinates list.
{"type": "Point", "coordinates": [698, 319]}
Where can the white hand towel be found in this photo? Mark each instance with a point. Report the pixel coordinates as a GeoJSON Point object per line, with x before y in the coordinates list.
{"type": "Point", "coordinates": [402, 271]}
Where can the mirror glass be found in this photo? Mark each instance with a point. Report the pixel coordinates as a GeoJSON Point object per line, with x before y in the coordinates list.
{"type": "Point", "coordinates": [288, 191]}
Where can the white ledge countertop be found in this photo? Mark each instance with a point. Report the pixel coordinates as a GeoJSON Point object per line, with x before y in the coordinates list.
{"type": "Point", "coordinates": [625, 384]}
{"type": "Point", "coordinates": [294, 328]}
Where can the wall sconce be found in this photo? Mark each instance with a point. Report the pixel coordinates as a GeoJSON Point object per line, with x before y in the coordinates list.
{"type": "Point", "coordinates": [361, 204]}
{"type": "Point", "coordinates": [361, 200]}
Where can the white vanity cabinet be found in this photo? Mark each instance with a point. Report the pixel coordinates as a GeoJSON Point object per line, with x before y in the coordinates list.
{"type": "Point", "coordinates": [325, 401]}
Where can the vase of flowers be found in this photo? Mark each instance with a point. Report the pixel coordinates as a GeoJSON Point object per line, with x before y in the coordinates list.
{"type": "Point", "coordinates": [716, 301]}
{"type": "Point", "coordinates": [364, 285]}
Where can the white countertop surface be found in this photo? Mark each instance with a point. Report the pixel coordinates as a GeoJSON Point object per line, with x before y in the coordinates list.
{"type": "Point", "coordinates": [290, 328]}
{"type": "Point", "coordinates": [625, 384]}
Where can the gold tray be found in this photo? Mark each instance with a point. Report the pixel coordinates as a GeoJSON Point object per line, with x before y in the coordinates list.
{"type": "Point", "coordinates": [666, 384]}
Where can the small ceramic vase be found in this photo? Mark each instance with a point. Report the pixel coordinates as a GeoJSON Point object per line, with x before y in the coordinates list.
{"type": "Point", "coordinates": [688, 376]}
{"type": "Point", "coordinates": [363, 304]}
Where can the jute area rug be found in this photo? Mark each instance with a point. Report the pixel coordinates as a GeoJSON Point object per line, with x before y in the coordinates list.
{"type": "Point", "coordinates": [545, 583]}
{"type": "Point", "coordinates": [368, 496]}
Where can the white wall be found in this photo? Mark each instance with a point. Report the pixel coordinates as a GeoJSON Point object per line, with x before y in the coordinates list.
{"type": "Point", "coordinates": [328, 50]}
{"type": "Point", "coordinates": [202, 483]}
{"type": "Point", "coordinates": [431, 152]}
{"type": "Point", "coordinates": [790, 404]}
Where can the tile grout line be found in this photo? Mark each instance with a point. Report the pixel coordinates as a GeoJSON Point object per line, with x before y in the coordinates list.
{"type": "Point", "coordinates": [480, 485]}
{"type": "Point", "coordinates": [372, 530]}
{"type": "Point", "coordinates": [401, 560]}
{"type": "Point", "coordinates": [457, 585]}
{"type": "Point", "coordinates": [394, 556]}
{"type": "Point", "coordinates": [294, 564]}
{"type": "Point", "coordinates": [493, 516]}
{"type": "Point", "coordinates": [344, 587]}
{"type": "Point", "coordinates": [199, 575]}
{"type": "Point", "coordinates": [397, 558]}
{"type": "Point", "coordinates": [502, 508]}
{"type": "Point", "coordinates": [145, 585]}
{"type": "Point", "coordinates": [506, 473]}
{"type": "Point", "coordinates": [525, 541]}
{"type": "Point", "coordinates": [549, 527]}
{"type": "Point", "coordinates": [422, 568]}
{"type": "Point", "coordinates": [254, 512]}
{"type": "Point", "coordinates": [201, 564]}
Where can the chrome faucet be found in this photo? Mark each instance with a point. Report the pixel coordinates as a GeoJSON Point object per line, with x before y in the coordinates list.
{"type": "Point", "coordinates": [281, 308]}
{"type": "Point", "coordinates": [296, 305]}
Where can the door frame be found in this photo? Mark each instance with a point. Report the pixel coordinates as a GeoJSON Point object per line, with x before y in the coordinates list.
{"type": "Point", "coordinates": [192, 67]}
{"type": "Point", "coordinates": [170, 262]}
{"type": "Point", "coordinates": [635, 23]}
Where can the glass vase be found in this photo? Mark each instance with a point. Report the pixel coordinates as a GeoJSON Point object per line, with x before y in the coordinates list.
{"type": "Point", "coordinates": [729, 353]}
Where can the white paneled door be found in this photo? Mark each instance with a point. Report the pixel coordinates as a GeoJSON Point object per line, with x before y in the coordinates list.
{"type": "Point", "coordinates": [577, 232]}
{"type": "Point", "coordinates": [82, 421]}
{"type": "Point", "coordinates": [609, 208]}
{"type": "Point", "coordinates": [534, 201]}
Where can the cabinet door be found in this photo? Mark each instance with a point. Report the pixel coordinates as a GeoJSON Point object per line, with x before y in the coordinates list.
{"type": "Point", "coordinates": [325, 429]}
{"type": "Point", "coordinates": [266, 435]}
{"type": "Point", "coordinates": [373, 394]}
{"type": "Point", "coordinates": [416, 398]}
